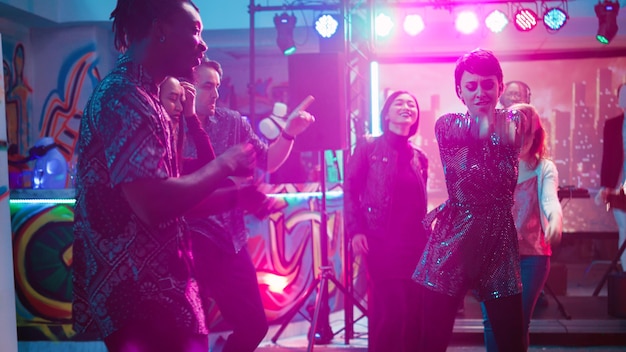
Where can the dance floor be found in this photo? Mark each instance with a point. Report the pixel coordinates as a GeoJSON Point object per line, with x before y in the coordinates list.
{"type": "Point", "coordinates": [584, 323]}
{"type": "Point", "coordinates": [590, 327]}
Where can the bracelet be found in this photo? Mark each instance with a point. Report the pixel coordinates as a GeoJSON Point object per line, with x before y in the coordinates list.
{"type": "Point", "coordinates": [287, 136]}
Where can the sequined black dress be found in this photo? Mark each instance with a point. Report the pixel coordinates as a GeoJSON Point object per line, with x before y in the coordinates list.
{"type": "Point", "coordinates": [474, 242]}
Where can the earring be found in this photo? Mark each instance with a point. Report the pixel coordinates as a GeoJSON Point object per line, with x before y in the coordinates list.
{"type": "Point", "coordinates": [162, 39]}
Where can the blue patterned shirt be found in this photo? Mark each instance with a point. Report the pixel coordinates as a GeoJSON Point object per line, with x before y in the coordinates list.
{"type": "Point", "coordinates": [125, 270]}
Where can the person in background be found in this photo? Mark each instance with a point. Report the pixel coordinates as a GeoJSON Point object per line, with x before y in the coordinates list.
{"type": "Point", "coordinates": [385, 203]}
{"type": "Point", "coordinates": [474, 242]}
{"type": "Point", "coordinates": [515, 92]}
{"type": "Point", "coordinates": [537, 213]}
{"type": "Point", "coordinates": [225, 268]}
{"type": "Point", "coordinates": [172, 96]}
{"type": "Point", "coordinates": [613, 169]}
{"type": "Point", "coordinates": [133, 283]}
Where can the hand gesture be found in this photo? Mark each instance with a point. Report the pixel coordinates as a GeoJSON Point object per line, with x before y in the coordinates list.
{"type": "Point", "coordinates": [553, 233]}
{"type": "Point", "coordinates": [257, 203]}
{"type": "Point", "coordinates": [359, 244]}
{"type": "Point", "coordinates": [239, 159]}
{"type": "Point", "coordinates": [602, 196]}
{"type": "Point", "coordinates": [297, 123]}
{"type": "Point", "coordinates": [188, 99]}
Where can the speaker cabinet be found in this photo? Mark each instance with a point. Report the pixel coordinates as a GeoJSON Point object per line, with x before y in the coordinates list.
{"type": "Point", "coordinates": [321, 75]}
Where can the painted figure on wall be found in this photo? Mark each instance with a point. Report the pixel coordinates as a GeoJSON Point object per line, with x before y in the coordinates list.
{"type": "Point", "coordinates": [63, 108]}
{"type": "Point", "coordinates": [17, 95]}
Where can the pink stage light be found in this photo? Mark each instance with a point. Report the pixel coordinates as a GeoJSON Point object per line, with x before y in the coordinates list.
{"type": "Point", "coordinates": [383, 25]}
{"type": "Point", "coordinates": [413, 25]}
{"type": "Point", "coordinates": [466, 22]}
{"type": "Point", "coordinates": [525, 19]}
{"type": "Point", "coordinates": [496, 21]}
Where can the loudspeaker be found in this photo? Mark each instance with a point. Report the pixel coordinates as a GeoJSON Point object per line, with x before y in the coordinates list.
{"type": "Point", "coordinates": [321, 75]}
{"type": "Point", "coordinates": [616, 291]}
{"type": "Point", "coordinates": [557, 279]}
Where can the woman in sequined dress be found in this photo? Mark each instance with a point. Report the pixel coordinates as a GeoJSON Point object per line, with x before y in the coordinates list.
{"type": "Point", "coordinates": [474, 241]}
{"type": "Point", "coordinates": [537, 213]}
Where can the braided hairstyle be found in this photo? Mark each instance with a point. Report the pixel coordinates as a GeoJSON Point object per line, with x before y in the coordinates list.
{"type": "Point", "coordinates": [132, 18]}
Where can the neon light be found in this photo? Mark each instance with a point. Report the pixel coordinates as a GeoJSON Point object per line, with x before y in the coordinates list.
{"type": "Point", "coordinates": [329, 194]}
{"type": "Point", "coordinates": [42, 201]}
{"type": "Point", "coordinates": [375, 128]}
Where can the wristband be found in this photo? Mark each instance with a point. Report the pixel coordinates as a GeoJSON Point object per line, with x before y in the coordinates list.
{"type": "Point", "coordinates": [287, 136]}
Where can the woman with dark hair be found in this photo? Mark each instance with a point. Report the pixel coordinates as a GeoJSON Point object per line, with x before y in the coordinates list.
{"type": "Point", "coordinates": [537, 213]}
{"type": "Point", "coordinates": [385, 203]}
{"type": "Point", "coordinates": [474, 242]}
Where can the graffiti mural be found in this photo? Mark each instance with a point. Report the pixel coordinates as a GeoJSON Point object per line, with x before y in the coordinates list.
{"type": "Point", "coordinates": [18, 94]}
{"type": "Point", "coordinates": [63, 107]}
{"type": "Point", "coordinates": [285, 248]}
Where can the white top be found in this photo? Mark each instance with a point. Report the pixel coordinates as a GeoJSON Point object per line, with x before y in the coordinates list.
{"type": "Point", "coordinates": [547, 189]}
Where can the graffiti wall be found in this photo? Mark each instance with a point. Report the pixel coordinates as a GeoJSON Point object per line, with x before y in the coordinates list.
{"type": "Point", "coordinates": [48, 77]}
{"type": "Point", "coordinates": [285, 248]}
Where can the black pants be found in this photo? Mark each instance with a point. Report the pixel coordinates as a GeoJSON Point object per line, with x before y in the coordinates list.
{"type": "Point", "coordinates": [141, 336]}
{"type": "Point", "coordinates": [394, 315]}
{"type": "Point", "coordinates": [230, 279]}
{"type": "Point", "coordinates": [504, 313]}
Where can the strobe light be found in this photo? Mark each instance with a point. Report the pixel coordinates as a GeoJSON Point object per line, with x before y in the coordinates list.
{"type": "Point", "coordinates": [525, 19]}
{"type": "Point", "coordinates": [554, 19]}
{"type": "Point", "coordinates": [606, 12]}
{"type": "Point", "coordinates": [326, 26]}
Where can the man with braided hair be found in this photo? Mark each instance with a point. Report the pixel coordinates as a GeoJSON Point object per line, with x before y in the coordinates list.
{"type": "Point", "coordinates": [132, 261]}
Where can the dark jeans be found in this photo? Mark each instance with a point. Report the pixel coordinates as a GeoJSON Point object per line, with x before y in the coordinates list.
{"type": "Point", "coordinates": [230, 279]}
{"type": "Point", "coordinates": [440, 311]}
{"type": "Point", "coordinates": [141, 337]}
{"type": "Point", "coordinates": [535, 270]}
{"type": "Point", "coordinates": [394, 315]}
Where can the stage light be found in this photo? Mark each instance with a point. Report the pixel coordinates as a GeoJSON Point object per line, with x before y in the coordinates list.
{"type": "Point", "coordinates": [554, 19]}
{"type": "Point", "coordinates": [326, 25]}
{"type": "Point", "coordinates": [496, 21]}
{"type": "Point", "coordinates": [525, 19]}
{"type": "Point", "coordinates": [413, 25]}
{"type": "Point", "coordinates": [466, 22]}
{"type": "Point", "coordinates": [383, 25]}
{"type": "Point", "coordinates": [606, 12]}
{"type": "Point", "coordinates": [285, 24]}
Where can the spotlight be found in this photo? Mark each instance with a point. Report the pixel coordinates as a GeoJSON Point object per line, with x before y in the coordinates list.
{"type": "Point", "coordinates": [383, 25]}
{"type": "Point", "coordinates": [525, 19]}
{"type": "Point", "coordinates": [326, 26]}
{"type": "Point", "coordinates": [413, 25]}
{"type": "Point", "coordinates": [285, 24]}
{"type": "Point", "coordinates": [607, 20]}
{"type": "Point", "coordinates": [496, 21]}
{"type": "Point", "coordinates": [554, 19]}
{"type": "Point", "coordinates": [466, 22]}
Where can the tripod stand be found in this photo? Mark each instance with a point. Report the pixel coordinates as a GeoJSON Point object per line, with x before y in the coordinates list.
{"type": "Point", "coordinates": [326, 274]}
